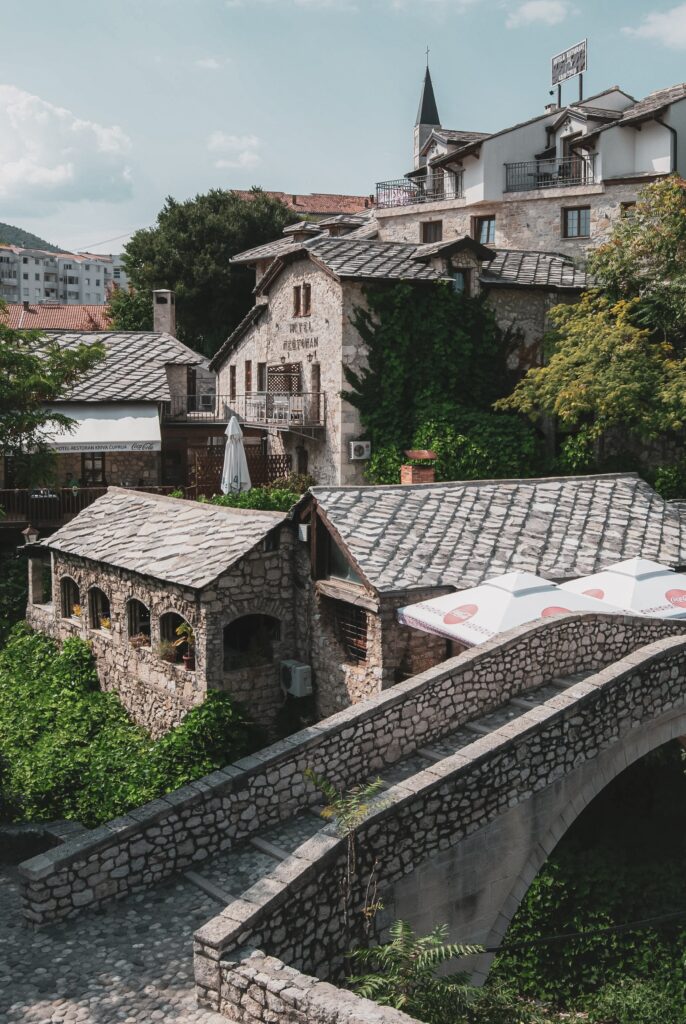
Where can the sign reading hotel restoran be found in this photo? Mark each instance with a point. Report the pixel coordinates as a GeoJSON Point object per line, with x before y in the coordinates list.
{"type": "Point", "coordinates": [108, 427]}
{"type": "Point", "coordinates": [570, 63]}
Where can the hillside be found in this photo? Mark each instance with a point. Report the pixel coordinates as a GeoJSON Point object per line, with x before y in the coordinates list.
{"type": "Point", "coordinates": [16, 236]}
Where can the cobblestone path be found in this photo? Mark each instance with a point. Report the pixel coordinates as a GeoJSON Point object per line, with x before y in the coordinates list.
{"type": "Point", "coordinates": [131, 962]}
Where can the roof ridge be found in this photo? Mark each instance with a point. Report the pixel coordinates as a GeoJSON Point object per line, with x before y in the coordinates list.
{"type": "Point", "coordinates": [166, 499]}
{"type": "Point", "coordinates": [478, 483]}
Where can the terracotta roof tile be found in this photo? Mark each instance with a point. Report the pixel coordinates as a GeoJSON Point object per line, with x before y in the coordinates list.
{"type": "Point", "coordinates": [49, 317]}
{"type": "Point", "coordinates": [318, 203]}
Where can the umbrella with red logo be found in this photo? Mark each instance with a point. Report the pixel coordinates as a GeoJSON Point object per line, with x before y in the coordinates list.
{"type": "Point", "coordinates": [480, 613]}
{"type": "Point", "coordinates": [637, 585]}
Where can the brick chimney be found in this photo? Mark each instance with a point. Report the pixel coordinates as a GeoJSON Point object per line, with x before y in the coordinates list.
{"type": "Point", "coordinates": [423, 474]}
{"type": "Point", "coordinates": [164, 312]}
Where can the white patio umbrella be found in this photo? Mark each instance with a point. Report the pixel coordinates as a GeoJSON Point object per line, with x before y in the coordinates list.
{"type": "Point", "coordinates": [235, 475]}
{"type": "Point", "coordinates": [496, 605]}
{"type": "Point", "coordinates": [637, 585]}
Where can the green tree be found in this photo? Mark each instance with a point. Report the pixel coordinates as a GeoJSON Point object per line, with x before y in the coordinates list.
{"type": "Point", "coordinates": [189, 250]}
{"type": "Point", "coordinates": [36, 371]}
{"type": "Point", "coordinates": [130, 310]}
{"type": "Point", "coordinates": [402, 974]}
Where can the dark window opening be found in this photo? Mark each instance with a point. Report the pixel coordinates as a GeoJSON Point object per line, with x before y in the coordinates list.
{"type": "Point", "coordinates": [169, 623]}
{"type": "Point", "coordinates": [461, 282]}
{"type": "Point", "coordinates": [307, 300]}
{"type": "Point", "coordinates": [330, 560]}
{"type": "Point", "coordinates": [273, 540]}
{"type": "Point", "coordinates": [248, 376]}
{"type": "Point", "coordinates": [431, 231]}
{"type": "Point", "coordinates": [232, 382]}
{"type": "Point", "coordinates": [484, 230]}
{"type": "Point", "coordinates": [297, 300]}
{"type": "Point", "coordinates": [93, 469]}
{"type": "Point", "coordinates": [261, 376]}
{"type": "Point", "coordinates": [576, 222]}
{"type": "Point", "coordinates": [351, 629]}
{"type": "Point", "coordinates": [627, 209]}
{"type": "Point", "coordinates": [138, 616]}
{"type": "Point", "coordinates": [70, 598]}
{"type": "Point", "coordinates": [249, 642]}
{"type": "Point", "coordinates": [99, 609]}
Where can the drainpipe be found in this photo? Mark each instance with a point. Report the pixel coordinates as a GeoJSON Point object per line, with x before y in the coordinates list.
{"type": "Point", "coordinates": [675, 139]}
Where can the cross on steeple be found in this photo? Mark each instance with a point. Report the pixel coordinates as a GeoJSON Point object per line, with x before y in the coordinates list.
{"type": "Point", "coordinates": [427, 56]}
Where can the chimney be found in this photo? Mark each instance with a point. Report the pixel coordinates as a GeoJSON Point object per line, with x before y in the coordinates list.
{"type": "Point", "coordinates": [550, 108]}
{"type": "Point", "coordinates": [164, 312]}
{"type": "Point", "coordinates": [422, 474]}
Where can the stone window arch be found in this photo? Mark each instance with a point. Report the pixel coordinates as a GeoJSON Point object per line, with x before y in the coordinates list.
{"type": "Point", "coordinates": [99, 615]}
{"type": "Point", "coordinates": [138, 622]}
{"type": "Point", "coordinates": [70, 598]}
{"type": "Point", "coordinates": [169, 623]}
{"type": "Point", "coordinates": [249, 641]}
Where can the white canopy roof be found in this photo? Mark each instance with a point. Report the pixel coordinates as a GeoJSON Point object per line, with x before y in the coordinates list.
{"type": "Point", "coordinates": [108, 427]}
{"type": "Point", "coordinates": [496, 605]}
{"type": "Point", "coordinates": [638, 585]}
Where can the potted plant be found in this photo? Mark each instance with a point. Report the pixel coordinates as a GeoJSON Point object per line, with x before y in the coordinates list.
{"type": "Point", "coordinates": [167, 651]}
{"type": "Point", "coordinates": [76, 611]}
{"type": "Point", "coordinates": [105, 622]}
{"type": "Point", "coordinates": [139, 640]}
{"type": "Point", "coordinates": [186, 636]}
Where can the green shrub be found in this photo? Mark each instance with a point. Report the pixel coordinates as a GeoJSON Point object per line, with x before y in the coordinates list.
{"type": "Point", "coordinates": [480, 446]}
{"type": "Point", "coordinates": [68, 750]}
{"type": "Point", "coordinates": [637, 1001]}
{"type": "Point", "coordinates": [13, 592]}
{"type": "Point", "coordinates": [265, 499]}
{"type": "Point", "coordinates": [670, 481]}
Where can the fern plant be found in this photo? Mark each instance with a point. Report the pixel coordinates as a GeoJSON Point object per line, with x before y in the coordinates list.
{"type": "Point", "coordinates": [402, 974]}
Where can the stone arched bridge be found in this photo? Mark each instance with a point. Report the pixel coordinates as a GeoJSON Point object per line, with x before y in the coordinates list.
{"type": "Point", "coordinates": [487, 760]}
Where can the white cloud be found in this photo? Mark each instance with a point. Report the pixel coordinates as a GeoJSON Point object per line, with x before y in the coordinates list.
{"type": "Point", "coordinates": [211, 63]}
{"type": "Point", "coordinates": [666, 27]}
{"type": "Point", "coordinates": [546, 12]}
{"type": "Point", "coordinates": [49, 155]}
{"type": "Point", "coordinates": [234, 150]}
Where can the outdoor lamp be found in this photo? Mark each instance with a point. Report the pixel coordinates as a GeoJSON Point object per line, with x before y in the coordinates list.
{"type": "Point", "coordinates": [30, 534]}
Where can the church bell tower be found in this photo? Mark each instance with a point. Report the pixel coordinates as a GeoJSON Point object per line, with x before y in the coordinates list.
{"type": "Point", "coordinates": [427, 117]}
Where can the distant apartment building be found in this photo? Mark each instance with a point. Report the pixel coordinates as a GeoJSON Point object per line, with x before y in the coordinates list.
{"type": "Point", "coordinates": [37, 276]}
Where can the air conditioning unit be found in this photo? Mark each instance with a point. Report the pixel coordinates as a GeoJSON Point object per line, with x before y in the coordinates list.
{"type": "Point", "coordinates": [360, 450]}
{"type": "Point", "coordinates": [296, 678]}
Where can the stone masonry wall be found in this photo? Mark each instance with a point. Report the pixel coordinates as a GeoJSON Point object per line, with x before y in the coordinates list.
{"type": "Point", "coordinates": [210, 815]}
{"type": "Point", "coordinates": [297, 913]}
{"type": "Point", "coordinates": [259, 989]}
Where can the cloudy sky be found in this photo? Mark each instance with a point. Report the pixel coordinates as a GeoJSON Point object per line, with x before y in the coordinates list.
{"type": "Point", "coordinates": [107, 108]}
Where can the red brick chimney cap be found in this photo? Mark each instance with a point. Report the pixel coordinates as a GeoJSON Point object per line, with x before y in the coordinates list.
{"type": "Point", "coordinates": [420, 453]}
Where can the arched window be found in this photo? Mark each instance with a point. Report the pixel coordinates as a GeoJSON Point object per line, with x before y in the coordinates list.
{"type": "Point", "coordinates": [249, 641]}
{"type": "Point", "coordinates": [99, 609]}
{"type": "Point", "coordinates": [169, 624]}
{"type": "Point", "coordinates": [70, 598]}
{"type": "Point", "coordinates": [138, 623]}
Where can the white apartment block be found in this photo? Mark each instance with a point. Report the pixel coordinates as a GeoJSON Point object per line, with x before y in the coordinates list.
{"type": "Point", "coordinates": [37, 276]}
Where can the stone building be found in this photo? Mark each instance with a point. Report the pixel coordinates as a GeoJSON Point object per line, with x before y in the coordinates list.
{"type": "Point", "coordinates": [133, 566]}
{"type": "Point", "coordinates": [283, 367]}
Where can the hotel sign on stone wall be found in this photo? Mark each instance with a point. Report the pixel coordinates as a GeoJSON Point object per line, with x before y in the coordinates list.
{"type": "Point", "coordinates": [570, 63]}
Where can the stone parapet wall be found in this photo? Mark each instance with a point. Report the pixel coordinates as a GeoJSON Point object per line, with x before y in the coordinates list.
{"type": "Point", "coordinates": [260, 989]}
{"type": "Point", "coordinates": [210, 815]}
{"type": "Point", "coordinates": [299, 912]}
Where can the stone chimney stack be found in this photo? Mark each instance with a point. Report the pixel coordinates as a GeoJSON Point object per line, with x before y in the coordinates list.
{"type": "Point", "coordinates": [164, 312]}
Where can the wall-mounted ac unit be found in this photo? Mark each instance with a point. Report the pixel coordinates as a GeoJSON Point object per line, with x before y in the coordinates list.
{"type": "Point", "coordinates": [360, 450]}
{"type": "Point", "coordinates": [296, 678]}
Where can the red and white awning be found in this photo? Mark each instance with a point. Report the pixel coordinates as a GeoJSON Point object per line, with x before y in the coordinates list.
{"type": "Point", "coordinates": [495, 606]}
{"type": "Point", "coordinates": [637, 585]}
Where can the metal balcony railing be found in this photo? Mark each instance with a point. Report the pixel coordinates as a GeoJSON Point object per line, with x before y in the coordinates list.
{"type": "Point", "coordinates": [197, 409]}
{"type": "Point", "coordinates": [305, 409]}
{"type": "Point", "coordinates": [541, 174]}
{"type": "Point", "coordinates": [409, 191]}
{"type": "Point", "coordinates": [51, 506]}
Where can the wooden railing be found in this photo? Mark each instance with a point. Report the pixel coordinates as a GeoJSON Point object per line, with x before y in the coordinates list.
{"type": "Point", "coordinates": [52, 506]}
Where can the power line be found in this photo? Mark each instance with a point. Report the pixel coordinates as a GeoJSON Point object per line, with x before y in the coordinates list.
{"type": "Point", "coordinates": [642, 923]}
{"type": "Point", "coordinates": [117, 238]}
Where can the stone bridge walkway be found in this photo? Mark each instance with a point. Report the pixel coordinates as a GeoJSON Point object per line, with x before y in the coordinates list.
{"type": "Point", "coordinates": [132, 961]}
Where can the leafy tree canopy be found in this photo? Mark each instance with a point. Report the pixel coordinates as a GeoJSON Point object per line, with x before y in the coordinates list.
{"type": "Point", "coordinates": [189, 250]}
{"type": "Point", "coordinates": [130, 310]}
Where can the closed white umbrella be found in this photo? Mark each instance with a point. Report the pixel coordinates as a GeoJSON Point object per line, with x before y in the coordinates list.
{"type": "Point", "coordinates": [496, 605]}
{"type": "Point", "coordinates": [637, 585]}
{"type": "Point", "coordinates": [235, 475]}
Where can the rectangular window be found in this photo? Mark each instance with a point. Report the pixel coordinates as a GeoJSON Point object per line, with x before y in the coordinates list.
{"type": "Point", "coordinates": [627, 209]}
{"type": "Point", "coordinates": [484, 230]}
{"type": "Point", "coordinates": [248, 376]}
{"type": "Point", "coordinates": [25, 259]}
{"type": "Point", "coordinates": [576, 222]}
{"type": "Point", "coordinates": [37, 277]}
{"type": "Point", "coordinates": [461, 281]}
{"type": "Point", "coordinates": [307, 299]}
{"type": "Point", "coordinates": [297, 300]}
{"type": "Point", "coordinates": [25, 276]}
{"type": "Point", "coordinates": [431, 231]}
{"type": "Point", "coordinates": [350, 624]}
{"type": "Point", "coordinates": [232, 383]}
{"type": "Point", "coordinates": [93, 469]}
{"type": "Point", "coordinates": [261, 376]}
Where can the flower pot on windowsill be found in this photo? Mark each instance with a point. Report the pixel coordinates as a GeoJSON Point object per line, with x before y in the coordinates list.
{"type": "Point", "coordinates": [189, 662]}
{"type": "Point", "coordinates": [105, 623]}
{"type": "Point", "coordinates": [139, 640]}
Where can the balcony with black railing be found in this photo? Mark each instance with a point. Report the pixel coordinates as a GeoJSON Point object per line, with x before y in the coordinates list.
{"type": "Point", "coordinates": [283, 410]}
{"type": "Point", "coordinates": [531, 175]}
{"type": "Point", "coordinates": [209, 408]}
{"type": "Point", "coordinates": [410, 191]}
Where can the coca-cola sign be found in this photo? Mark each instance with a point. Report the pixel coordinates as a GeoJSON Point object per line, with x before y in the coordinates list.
{"type": "Point", "coordinates": [460, 614]}
{"type": "Point", "coordinates": [677, 598]}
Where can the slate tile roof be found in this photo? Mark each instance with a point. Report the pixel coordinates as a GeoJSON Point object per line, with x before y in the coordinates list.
{"type": "Point", "coordinates": [49, 317]}
{"type": "Point", "coordinates": [533, 270]}
{"type": "Point", "coordinates": [461, 533]}
{"type": "Point", "coordinates": [269, 250]}
{"type": "Point", "coordinates": [368, 258]}
{"type": "Point", "coordinates": [183, 542]}
{"type": "Point", "coordinates": [134, 366]}
{"type": "Point", "coordinates": [645, 108]}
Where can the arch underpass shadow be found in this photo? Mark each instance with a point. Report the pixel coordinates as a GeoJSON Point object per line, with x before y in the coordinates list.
{"type": "Point", "coordinates": [477, 885]}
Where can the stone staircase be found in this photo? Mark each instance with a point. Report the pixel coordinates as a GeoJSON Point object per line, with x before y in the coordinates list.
{"type": "Point", "coordinates": [228, 875]}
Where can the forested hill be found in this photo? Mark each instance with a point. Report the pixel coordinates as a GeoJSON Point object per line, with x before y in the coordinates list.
{"type": "Point", "coordinates": [16, 236]}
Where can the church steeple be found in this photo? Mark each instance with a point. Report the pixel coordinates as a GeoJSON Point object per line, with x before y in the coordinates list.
{"type": "Point", "coordinates": [427, 116]}
{"type": "Point", "coordinates": [428, 111]}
